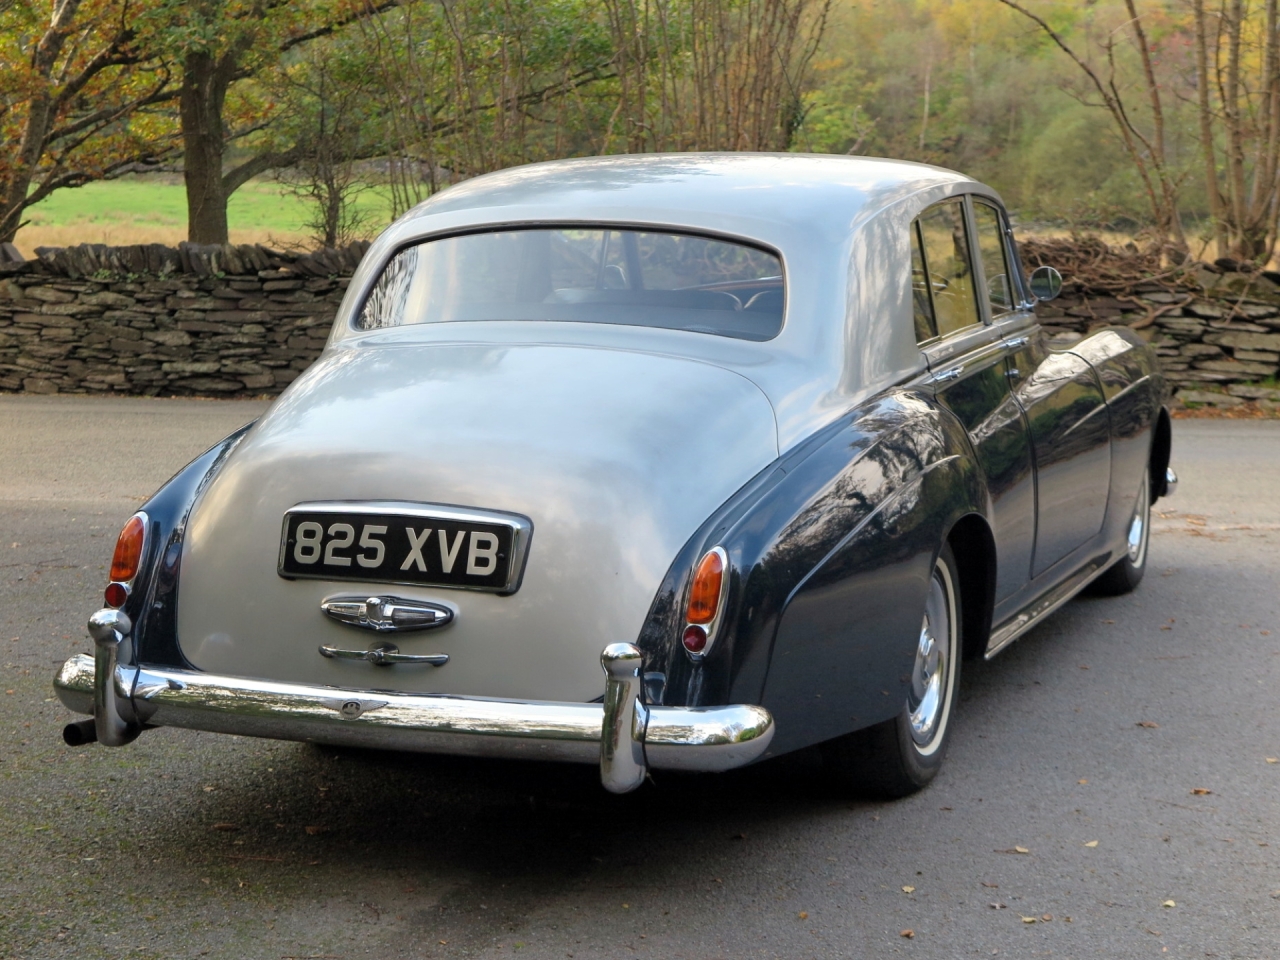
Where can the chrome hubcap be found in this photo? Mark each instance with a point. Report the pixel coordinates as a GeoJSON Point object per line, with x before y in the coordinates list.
{"type": "Point", "coordinates": [930, 676]}
{"type": "Point", "coordinates": [1138, 525]}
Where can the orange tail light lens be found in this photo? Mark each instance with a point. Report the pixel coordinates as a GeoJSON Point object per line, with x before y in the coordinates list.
{"type": "Point", "coordinates": [704, 595]}
{"type": "Point", "coordinates": [128, 555]}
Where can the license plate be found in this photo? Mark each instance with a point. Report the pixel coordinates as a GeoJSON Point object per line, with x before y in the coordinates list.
{"type": "Point", "coordinates": [424, 544]}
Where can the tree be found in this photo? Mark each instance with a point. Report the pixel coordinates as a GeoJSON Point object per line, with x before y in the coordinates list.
{"type": "Point", "coordinates": [325, 95]}
{"type": "Point", "coordinates": [1238, 107]}
{"type": "Point", "coordinates": [223, 46]}
{"type": "Point", "coordinates": [81, 87]}
{"type": "Point", "coordinates": [1146, 145]}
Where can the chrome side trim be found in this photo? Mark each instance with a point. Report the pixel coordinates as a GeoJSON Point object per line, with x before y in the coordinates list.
{"type": "Point", "coordinates": [707, 739]}
{"type": "Point", "coordinates": [1041, 607]}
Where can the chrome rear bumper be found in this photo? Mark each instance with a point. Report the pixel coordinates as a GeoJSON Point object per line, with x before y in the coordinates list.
{"type": "Point", "coordinates": [622, 734]}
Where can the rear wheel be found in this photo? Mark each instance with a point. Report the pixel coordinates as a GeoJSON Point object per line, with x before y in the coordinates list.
{"type": "Point", "coordinates": [1125, 574]}
{"type": "Point", "coordinates": [902, 755]}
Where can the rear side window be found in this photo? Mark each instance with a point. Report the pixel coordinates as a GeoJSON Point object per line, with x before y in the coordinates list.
{"type": "Point", "coordinates": [948, 267]}
{"type": "Point", "coordinates": [995, 260]}
{"type": "Point", "coordinates": [921, 305]}
{"type": "Point", "coordinates": [584, 275]}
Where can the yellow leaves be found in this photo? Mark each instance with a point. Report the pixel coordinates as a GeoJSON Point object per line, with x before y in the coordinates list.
{"type": "Point", "coordinates": [1030, 920]}
{"type": "Point", "coordinates": [1168, 904]}
{"type": "Point", "coordinates": [1091, 843]}
{"type": "Point", "coordinates": [1082, 781]}
{"type": "Point", "coordinates": [1200, 792]}
{"type": "Point", "coordinates": [908, 889]}
{"type": "Point", "coordinates": [804, 914]}
{"type": "Point", "coordinates": [1273, 759]}
{"type": "Point", "coordinates": [1021, 850]}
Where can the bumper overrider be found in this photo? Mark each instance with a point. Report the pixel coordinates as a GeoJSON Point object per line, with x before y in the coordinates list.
{"type": "Point", "coordinates": [623, 734]}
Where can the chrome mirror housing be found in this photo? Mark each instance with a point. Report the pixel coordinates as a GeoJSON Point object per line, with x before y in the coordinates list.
{"type": "Point", "coordinates": [1046, 283]}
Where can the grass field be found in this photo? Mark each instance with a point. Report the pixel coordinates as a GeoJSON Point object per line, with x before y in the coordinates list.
{"type": "Point", "coordinates": [153, 209]}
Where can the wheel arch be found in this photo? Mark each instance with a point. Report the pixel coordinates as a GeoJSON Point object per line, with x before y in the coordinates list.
{"type": "Point", "coordinates": [1161, 451]}
{"type": "Point", "coordinates": [974, 548]}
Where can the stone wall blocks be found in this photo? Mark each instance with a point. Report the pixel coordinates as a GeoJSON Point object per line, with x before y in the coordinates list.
{"type": "Point", "coordinates": [107, 298]}
{"type": "Point", "coordinates": [258, 381]}
{"type": "Point", "coordinates": [127, 316]}
{"type": "Point", "coordinates": [49, 295]}
{"type": "Point", "coordinates": [1244, 340]}
{"type": "Point", "coordinates": [1238, 369]}
{"type": "Point", "coordinates": [130, 347]}
{"type": "Point", "coordinates": [169, 338]}
{"type": "Point", "coordinates": [188, 367]}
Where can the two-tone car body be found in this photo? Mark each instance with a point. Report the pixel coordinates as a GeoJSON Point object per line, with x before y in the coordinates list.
{"type": "Point", "coordinates": [775, 438]}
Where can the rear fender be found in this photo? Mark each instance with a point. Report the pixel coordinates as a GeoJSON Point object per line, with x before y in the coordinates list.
{"type": "Point", "coordinates": [153, 605]}
{"type": "Point", "coordinates": [842, 493]}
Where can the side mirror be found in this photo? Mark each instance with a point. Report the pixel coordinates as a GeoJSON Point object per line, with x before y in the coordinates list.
{"type": "Point", "coordinates": [1046, 283]}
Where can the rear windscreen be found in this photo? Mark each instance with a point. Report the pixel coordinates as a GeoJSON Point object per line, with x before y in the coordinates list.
{"type": "Point", "coordinates": [633, 277]}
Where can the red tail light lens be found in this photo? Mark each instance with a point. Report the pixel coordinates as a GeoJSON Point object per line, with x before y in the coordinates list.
{"type": "Point", "coordinates": [128, 555]}
{"type": "Point", "coordinates": [115, 595]}
{"type": "Point", "coordinates": [694, 639]}
{"type": "Point", "coordinates": [704, 595]}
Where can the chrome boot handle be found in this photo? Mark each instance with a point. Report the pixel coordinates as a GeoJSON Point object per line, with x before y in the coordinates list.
{"type": "Point", "coordinates": [384, 655]}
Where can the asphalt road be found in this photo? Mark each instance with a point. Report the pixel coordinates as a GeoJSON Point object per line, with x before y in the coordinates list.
{"type": "Point", "coordinates": [1143, 723]}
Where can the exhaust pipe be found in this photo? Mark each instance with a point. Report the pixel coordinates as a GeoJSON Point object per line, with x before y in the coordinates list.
{"type": "Point", "coordinates": [80, 732]}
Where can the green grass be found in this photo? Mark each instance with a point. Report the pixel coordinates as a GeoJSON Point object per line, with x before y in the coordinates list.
{"type": "Point", "coordinates": [143, 209]}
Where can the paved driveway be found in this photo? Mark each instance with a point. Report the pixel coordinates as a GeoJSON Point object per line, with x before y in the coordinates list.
{"type": "Point", "coordinates": [1099, 726]}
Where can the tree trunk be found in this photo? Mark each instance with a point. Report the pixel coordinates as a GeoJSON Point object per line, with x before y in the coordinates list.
{"type": "Point", "coordinates": [204, 89]}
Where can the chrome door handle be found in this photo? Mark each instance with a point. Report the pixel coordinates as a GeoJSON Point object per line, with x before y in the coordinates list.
{"type": "Point", "coordinates": [1013, 373]}
{"type": "Point", "coordinates": [943, 376]}
{"type": "Point", "coordinates": [384, 655]}
{"type": "Point", "coordinates": [1017, 343]}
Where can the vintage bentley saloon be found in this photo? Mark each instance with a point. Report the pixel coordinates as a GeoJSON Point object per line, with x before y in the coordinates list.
{"type": "Point", "coordinates": [775, 440]}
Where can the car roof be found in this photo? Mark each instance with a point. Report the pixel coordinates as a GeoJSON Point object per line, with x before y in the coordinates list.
{"type": "Point", "coordinates": [822, 193]}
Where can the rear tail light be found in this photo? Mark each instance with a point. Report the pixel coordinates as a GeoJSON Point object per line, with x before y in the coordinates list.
{"type": "Point", "coordinates": [126, 560]}
{"type": "Point", "coordinates": [706, 601]}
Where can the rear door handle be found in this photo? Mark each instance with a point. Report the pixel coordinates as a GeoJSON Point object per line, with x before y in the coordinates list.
{"type": "Point", "coordinates": [944, 376]}
{"type": "Point", "coordinates": [1017, 343]}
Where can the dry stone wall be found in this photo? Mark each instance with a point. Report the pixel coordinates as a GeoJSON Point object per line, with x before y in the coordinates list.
{"type": "Point", "coordinates": [232, 321]}
{"type": "Point", "coordinates": [197, 320]}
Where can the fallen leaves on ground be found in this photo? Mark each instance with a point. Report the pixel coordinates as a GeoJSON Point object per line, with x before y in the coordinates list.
{"type": "Point", "coordinates": [804, 914]}
{"type": "Point", "coordinates": [315, 831]}
{"type": "Point", "coordinates": [1200, 792]}
{"type": "Point", "coordinates": [1273, 759]}
{"type": "Point", "coordinates": [227, 827]}
{"type": "Point", "coordinates": [908, 933]}
{"type": "Point", "coordinates": [1030, 920]}
{"type": "Point", "coordinates": [1148, 724]}
{"type": "Point", "coordinates": [1168, 903]}
{"type": "Point", "coordinates": [1091, 843]}
{"type": "Point", "coordinates": [908, 889]}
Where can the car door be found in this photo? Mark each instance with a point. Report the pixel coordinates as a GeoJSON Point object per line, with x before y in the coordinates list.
{"type": "Point", "coordinates": [966, 355]}
{"type": "Point", "coordinates": [1060, 394]}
